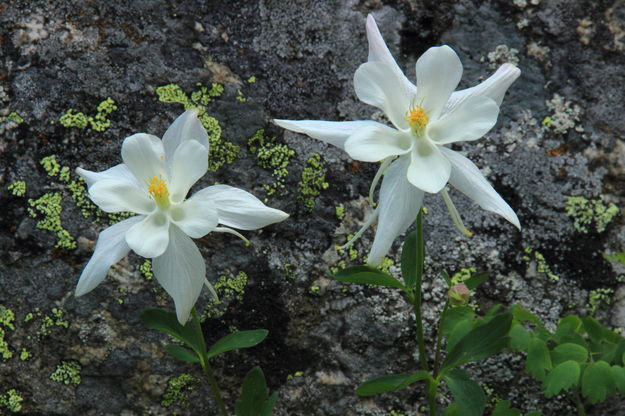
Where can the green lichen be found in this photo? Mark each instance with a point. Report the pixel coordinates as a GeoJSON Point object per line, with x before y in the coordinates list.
{"type": "Point", "coordinates": [99, 122]}
{"type": "Point", "coordinates": [339, 210]}
{"type": "Point", "coordinates": [146, 270]}
{"type": "Point", "coordinates": [240, 97]}
{"type": "Point", "coordinates": [547, 122]}
{"type": "Point", "coordinates": [177, 391]}
{"type": "Point", "coordinates": [49, 206]}
{"type": "Point", "coordinates": [462, 275]}
{"type": "Point", "coordinates": [5, 351]}
{"type": "Point", "coordinates": [7, 317]}
{"type": "Point", "coordinates": [50, 165]}
{"type": "Point", "coordinates": [598, 297]}
{"type": "Point", "coordinates": [228, 288]}
{"type": "Point", "coordinates": [17, 188]}
{"type": "Point", "coordinates": [78, 192]}
{"type": "Point", "coordinates": [288, 270]}
{"type": "Point", "coordinates": [55, 319]}
{"type": "Point", "coordinates": [29, 317]}
{"type": "Point", "coordinates": [64, 175]}
{"type": "Point", "coordinates": [11, 400]}
{"type": "Point", "coordinates": [67, 372]}
{"type": "Point", "coordinates": [313, 181]}
{"type": "Point", "coordinates": [296, 374]}
{"type": "Point", "coordinates": [386, 264]}
{"type": "Point", "coordinates": [25, 355]}
{"type": "Point", "coordinates": [314, 289]}
{"type": "Point", "coordinates": [585, 212]}
{"type": "Point", "coordinates": [251, 79]}
{"type": "Point", "coordinates": [541, 264]}
{"type": "Point", "coordinates": [221, 152]}
{"type": "Point", "coordinates": [271, 156]}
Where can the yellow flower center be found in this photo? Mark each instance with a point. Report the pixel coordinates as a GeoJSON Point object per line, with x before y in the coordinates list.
{"type": "Point", "coordinates": [417, 117]}
{"type": "Point", "coordinates": [159, 192]}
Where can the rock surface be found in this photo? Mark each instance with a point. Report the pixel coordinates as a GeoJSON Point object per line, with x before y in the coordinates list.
{"type": "Point", "coordinates": [560, 134]}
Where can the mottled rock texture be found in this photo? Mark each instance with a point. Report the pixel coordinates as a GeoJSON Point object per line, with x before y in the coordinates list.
{"type": "Point", "coordinates": [560, 134]}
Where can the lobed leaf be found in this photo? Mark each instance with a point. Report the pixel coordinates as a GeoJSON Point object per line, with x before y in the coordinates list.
{"type": "Point", "coordinates": [597, 381]}
{"type": "Point", "coordinates": [538, 360]}
{"type": "Point", "coordinates": [468, 395]}
{"type": "Point", "coordinates": [564, 376]}
{"type": "Point", "coordinates": [569, 351]}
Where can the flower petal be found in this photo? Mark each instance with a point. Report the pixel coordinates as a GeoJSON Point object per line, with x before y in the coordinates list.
{"type": "Point", "coordinates": [332, 132]}
{"type": "Point", "coordinates": [144, 156]}
{"type": "Point", "coordinates": [398, 208]}
{"type": "Point", "coordinates": [190, 163]}
{"type": "Point", "coordinates": [114, 195]}
{"type": "Point", "coordinates": [240, 209]}
{"type": "Point", "coordinates": [494, 87]}
{"type": "Point", "coordinates": [378, 52]}
{"type": "Point", "coordinates": [377, 142]}
{"type": "Point", "coordinates": [429, 169]}
{"type": "Point", "coordinates": [186, 127]}
{"type": "Point", "coordinates": [468, 179]}
{"type": "Point", "coordinates": [110, 248]}
{"type": "Point", "coordinates": [120, 172]}
{"type": "Point", "coordinates": [150, 237]}
{"type": "Point", "coordinates": [181, 271]}
{"type": "Point", "coordinates": [438, 73]}
{"type": "Point", "coordinates": [376, 85]}
{"type": "Point", "coordinates": [472, 119]}
{"type": "Point", "coordinates": [195, 216]}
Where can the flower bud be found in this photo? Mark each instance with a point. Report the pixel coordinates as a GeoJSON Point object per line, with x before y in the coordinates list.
{"type": "Point", "coordinates": [459, 294]}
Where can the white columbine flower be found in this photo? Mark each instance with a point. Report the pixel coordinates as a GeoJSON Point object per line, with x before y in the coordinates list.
{"type": "Point", "coordinates": [153, 182]}
{"type": "Point", "coordinates": [425, 118]}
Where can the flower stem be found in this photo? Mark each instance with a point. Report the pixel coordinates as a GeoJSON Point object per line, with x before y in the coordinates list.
{"type": "Point", "coordinates": [206, 367]}
{"type": "Point", "coordinates": [431, 385]}
{"type": "Point", "coordinates": [439, 340]}
{"type": "Point", "coordinates": [581, 410]}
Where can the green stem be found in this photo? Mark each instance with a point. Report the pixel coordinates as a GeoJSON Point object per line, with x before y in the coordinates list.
{"type": "Point", "coordinates": [439, 340]}
{"type": "Point", "coordinates": [581, 410]}
{"type": "Point", "coordinates": [206, 367]}
{"type": "Point", "coordinates": [431, 386]}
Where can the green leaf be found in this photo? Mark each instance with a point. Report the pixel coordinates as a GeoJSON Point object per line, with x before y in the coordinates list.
{"type": "Point", "coordinates": [241, 339]}
{"type": "Point", "coordinates": [481, 342]}
{"type": "Point", "coordinates": [270, 403]}
{"type": "Point", "coordinates": [455, 315]}
{"type": "Point", "coordinates": [568, 329]}
{"type": "Point", "coordinates": [534, 413]}
{"type": "Point", "coordinates": [461, 329]}
{"type": "Point", "coordinates": [569, 351]}
{"type": "Point", "coordinates": [167, 322]}
{"type": "Point", "coordinates": [365, 275]}
{"type": "Point", "coordinates": [538, 359]}
{"type": "Point", "coordinates": [452, 410]}
{"type": "Point", "coordinates": [475, 281]}
{"type": "Point", "coordinates": [597, 381]}
{"type": "Point", "coordinates": [468, 395]}
{"type": "Point", "coordinates": [595, 330]}
{"type": "Point", "coordinates": [390, 383]}
{"type": "Point", "coordinates": [182, 353]}
{"type": "Point", "coordinates": [253, 394]}
{"type": "Point", "coordinates": [618, 375]}
{"type": "Point", "coordinates": [564, 376]}
{"type": "Point", "coordinates": [446, 277]}
{"type": "Point", "coordinates": [523, 315]}
{"type": "Point", "coordinates": [519, 337]}
{"type": "Point", "coordinates": [410, 266]}
{"type": "Point", "coordinates": [503, 408]}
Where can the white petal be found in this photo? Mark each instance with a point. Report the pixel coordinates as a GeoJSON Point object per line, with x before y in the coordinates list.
{"type": "Point", "coordinates": [240, 209]}
{"type": "Point", "coordinates": [190, 163]}
{"type": "Point", "coordinates": [438, 73]}
{"type": "Point", "coordinates": [468, 179]}
{"type": "Point", "coordinates": [195, 216]}
{"type": "Point", "coordinates": [181, 272]}
{"type": "Point", "coordinates": [376, 85]}
{"type": "Point", "coordinates": [120, 172]}
{"type": "Point", "coordinates": [332, 132]}
{"type": "Point", "coordinates": [110, 248]}
{"type": "Point", "coordinates": [429, 169]}
{"type": "Point", "coordinates": [186, 127]}
{"type": "Point", "coordinates": [144, 156]}
{"type": "Point", "coordinates": [114, 195]}
{"type": "Point", "coordinates": [398, 206]}
{"type": "Point", "coordinates": [378, 52]}
{"type": "Point", "coordinates": [494, 87]}
{"type": "Point", "coordinates": [374, 143]}
{"type": "Point", "coordinates": [150, 237]}
{"type": "Point", "coordinates": [469, 121]}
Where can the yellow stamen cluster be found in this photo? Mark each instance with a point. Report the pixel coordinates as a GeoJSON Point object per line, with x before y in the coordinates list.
{"type": "Point", "coordinates": [417, 118]}
{"type": "Point", "coordinates": [158, 190]}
